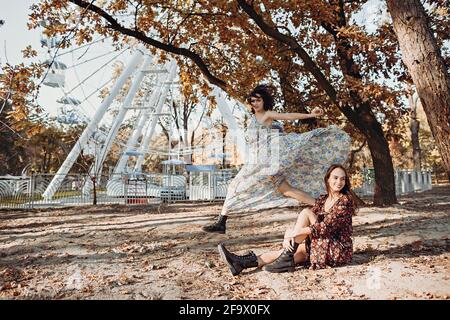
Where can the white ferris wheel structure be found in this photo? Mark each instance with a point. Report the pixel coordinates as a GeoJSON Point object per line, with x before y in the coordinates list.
{"type": "Point", "coordinates": [149, 86]}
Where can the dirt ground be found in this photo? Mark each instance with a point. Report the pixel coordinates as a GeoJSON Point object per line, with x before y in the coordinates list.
{"type": "Point", "coordinates": [138, 252]}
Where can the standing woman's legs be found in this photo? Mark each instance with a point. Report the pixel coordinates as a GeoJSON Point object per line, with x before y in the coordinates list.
{"type": "Point", "coordinates": [224, 211]}
{"type": "Point", "coordinates": [220, 225]}
{"type": "Point", "coordinates": [289, 191]}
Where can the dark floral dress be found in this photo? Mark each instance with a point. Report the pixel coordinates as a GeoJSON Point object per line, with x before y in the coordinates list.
{"type": "Point", "coordinates": [330, 243]}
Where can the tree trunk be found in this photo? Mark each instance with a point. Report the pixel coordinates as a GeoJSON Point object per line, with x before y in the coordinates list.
{"type": "Point", "coordinates": [384, 193]}
{"type": "Point", "coordinates": [187, 157]}
{"type": "Point", "coordinates": [422, 56]}
{"type": "Point", "coordinates": [165, 131]}
{"type": "Point", "coordinates": [365, 121]}
{"type": "Point", "coordinates": [192, 145]}
{"type": "Point", "coordinates": [414, 127]}
{"type": "Point", "coordinates": [353, 153]}
{"type": "Point", "coordinates": [224, 134]}
{"type": "Point", "coordinates": [94, 202]}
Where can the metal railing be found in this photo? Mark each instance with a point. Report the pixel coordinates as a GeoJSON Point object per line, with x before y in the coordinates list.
{"type": "Point", "coordinates": [406, 181]}
{"type": "Point", "coordinates": [27, 192]}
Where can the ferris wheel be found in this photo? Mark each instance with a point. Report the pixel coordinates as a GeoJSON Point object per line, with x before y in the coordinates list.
{"type": "Point", "coordinates": [72, 74]}
{"type": "Point", "coordinates": [142, 87]}
{"type": "Point", "coordinates": [74, 98]}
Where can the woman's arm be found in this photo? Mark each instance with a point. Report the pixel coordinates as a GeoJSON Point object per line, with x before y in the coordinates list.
{"type": "Point", "coordinates": [272, 115]}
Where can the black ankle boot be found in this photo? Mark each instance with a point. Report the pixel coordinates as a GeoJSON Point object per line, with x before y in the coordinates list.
{"type": "Point", "coordinates": [284, 263]}
{"type": "Point", "coordinates": [237, 263]}
{"type": "Point", "coordinates": [219, 226]}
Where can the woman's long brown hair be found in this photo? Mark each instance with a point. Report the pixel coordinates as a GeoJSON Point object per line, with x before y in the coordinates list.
{"type": "Point", "coordinates": [347, 189]}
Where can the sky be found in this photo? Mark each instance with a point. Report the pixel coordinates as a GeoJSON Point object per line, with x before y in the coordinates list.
{"type": "Point", "coordinates": [15, 36]}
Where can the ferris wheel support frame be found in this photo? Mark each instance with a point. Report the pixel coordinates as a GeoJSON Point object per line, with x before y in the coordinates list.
{"type": "Point", "coordinates": [151, 129]}
{"type": "Point", "coordinates": [144, 116]}
{"type": "Point", "coordinates": [96, 168]}
{"type": "Point", "coordinates": [120, 116]}
{"type": "Point", "coordinates": [91, 127]}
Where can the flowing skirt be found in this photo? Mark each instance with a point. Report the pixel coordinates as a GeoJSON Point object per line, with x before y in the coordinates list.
{"type": "Point", "coordinates": [302, 161]}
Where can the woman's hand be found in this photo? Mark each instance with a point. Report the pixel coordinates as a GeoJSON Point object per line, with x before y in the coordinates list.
{"type": "Point", "coordinates": [317, 112]}
{"type": "Point", "coordinates": [288, 243]}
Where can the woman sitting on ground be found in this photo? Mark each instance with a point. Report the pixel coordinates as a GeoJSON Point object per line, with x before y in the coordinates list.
{"type": "Point", "coordinates": [321, 237]}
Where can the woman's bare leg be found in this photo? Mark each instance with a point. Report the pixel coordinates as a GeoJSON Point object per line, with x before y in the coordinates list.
{"type": "Point", "coordinates": [268, 257]}
{"type": "Point", "coordinates": [300, 255]}
{"type": "Point", "coordinates": [305, 219]}
{"type": "Point", "coordinates": [289, 191]}
{"type": "Point", "coordinates": [224, 211]}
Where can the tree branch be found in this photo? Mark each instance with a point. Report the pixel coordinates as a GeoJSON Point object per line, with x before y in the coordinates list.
{"type": "Point", "coordinates": [113, 24]}
{"type": "Point", "coordinates": [310, 65]}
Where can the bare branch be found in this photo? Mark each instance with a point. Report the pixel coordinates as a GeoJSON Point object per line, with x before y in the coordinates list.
{"type": "Point", "coordinates": [113, 24]}
{"type": "Point", "coordinates": [310, 65]}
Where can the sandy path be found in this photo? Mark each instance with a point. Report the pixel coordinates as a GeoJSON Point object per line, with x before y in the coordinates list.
{"type": "Point", "coordinates": [139, 252]}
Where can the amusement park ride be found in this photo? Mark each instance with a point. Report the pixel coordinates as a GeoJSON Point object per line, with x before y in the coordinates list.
{"type": "Point", "coordinates": [157, 82]}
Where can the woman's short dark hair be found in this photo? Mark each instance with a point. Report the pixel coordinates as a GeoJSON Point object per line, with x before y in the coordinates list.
{"type": "Point", "coordinates": [266, 92]}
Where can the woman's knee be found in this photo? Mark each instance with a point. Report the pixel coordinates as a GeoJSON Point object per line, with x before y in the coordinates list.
{"type": "Point", "coordinates": [311, 216]}
{"type": "Point", "coordinates": [307, 212]}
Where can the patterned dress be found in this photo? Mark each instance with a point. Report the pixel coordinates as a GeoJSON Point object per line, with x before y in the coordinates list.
{"type": "Point", "coordinates": [301, 159]}
{"type": "Point", "coordinates": [330, 243]}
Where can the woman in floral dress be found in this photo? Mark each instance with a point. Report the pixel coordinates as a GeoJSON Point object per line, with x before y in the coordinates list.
{"type": "Point", "coordinates": [321, 237]}
{"type": "Point", "coordinates": [283, 169]}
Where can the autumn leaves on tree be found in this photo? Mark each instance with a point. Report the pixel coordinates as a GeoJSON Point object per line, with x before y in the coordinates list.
{"type": "Point", "coordinates": [312, 50]}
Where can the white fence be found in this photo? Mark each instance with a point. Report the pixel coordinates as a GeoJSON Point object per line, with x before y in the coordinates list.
{"type": "Point", "coordinates": [27, 192]}
{"type": "Point", "coordinates": [406, 181]}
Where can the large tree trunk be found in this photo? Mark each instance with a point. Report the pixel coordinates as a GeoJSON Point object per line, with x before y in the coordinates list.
{"type": "Point", "coordinates": [422, 56]}
{"type": "Point", "coordinates": [366, 122]}
{"type": "Point", "coordinates": [384, 193]}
